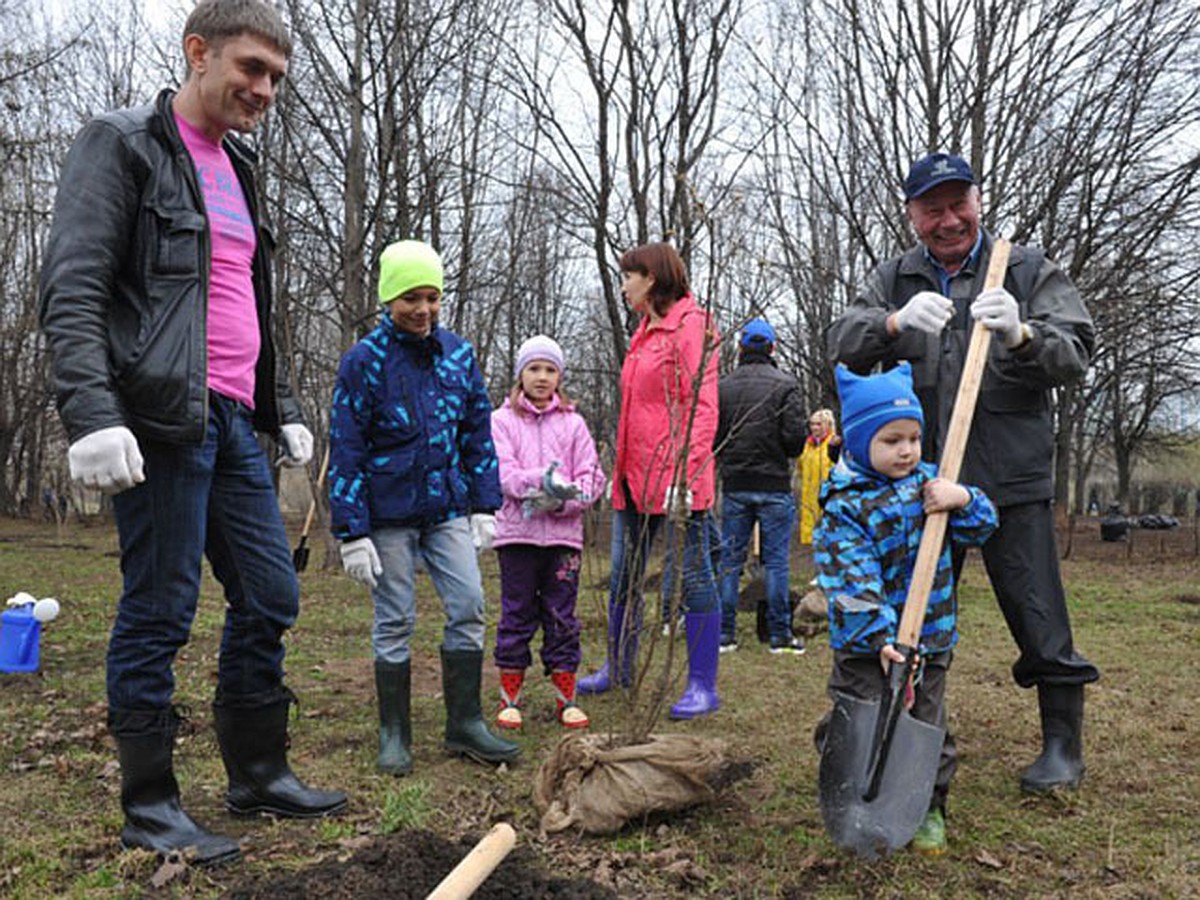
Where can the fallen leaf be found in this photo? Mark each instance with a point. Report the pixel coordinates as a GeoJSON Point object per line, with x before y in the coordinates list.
{"type": "Point", "coordinates": [172, 867]}
{"type": "Point", "coordinates": [986, 859]}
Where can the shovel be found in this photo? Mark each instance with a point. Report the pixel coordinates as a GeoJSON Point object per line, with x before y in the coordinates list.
{"type": "Point", "coordinates": [879, 764]}
{"type": "Point", "coordinates": [300, 554]}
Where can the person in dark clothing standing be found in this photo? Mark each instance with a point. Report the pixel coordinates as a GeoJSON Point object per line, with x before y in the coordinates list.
{"type": "Point", "coordinates": [919, 307]}
{"type": "Point", "coordinates": [760, 431]}
{"type": "Point", "coordinates": [156, 304]}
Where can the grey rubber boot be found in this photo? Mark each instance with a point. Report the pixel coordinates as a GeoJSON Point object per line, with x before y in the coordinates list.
{"type": "Point", "coordinates": [393, 687]}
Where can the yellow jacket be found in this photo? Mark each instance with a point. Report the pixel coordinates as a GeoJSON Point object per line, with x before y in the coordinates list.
{"type": "Point", "coordinates": [813, 465]}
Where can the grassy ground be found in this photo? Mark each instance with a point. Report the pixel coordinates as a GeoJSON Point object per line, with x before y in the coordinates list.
{"type": "Point", "coordinates": [1132, 831]}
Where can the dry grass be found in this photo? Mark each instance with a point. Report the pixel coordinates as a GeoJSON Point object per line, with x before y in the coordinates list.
{"type": "Point", "coordinates": [1130, 832]}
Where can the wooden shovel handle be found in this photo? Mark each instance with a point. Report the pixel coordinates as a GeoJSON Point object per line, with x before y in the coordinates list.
{"type": "Point", "coordinates": [312, 507]}
{"type": "Point", "coordinates": [477, 865]}
{"type": "Point", "coordinates": [932, 538]}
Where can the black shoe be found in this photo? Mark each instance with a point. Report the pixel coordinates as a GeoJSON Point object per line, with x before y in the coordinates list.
{"type": "Point", "coordinates": [253, 738]}
{"type": "Point", "coordinates": [154, 818]}
{"type": "Point", "coordinates": [466, 732]}
{"type": "Point", "coordinates": [795, 647]}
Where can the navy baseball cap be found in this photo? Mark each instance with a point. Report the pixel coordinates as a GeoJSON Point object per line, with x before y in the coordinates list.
{"type": "Point", "coordinates": [757, 332]}
{"type": "Point", "coordinates": [936, 168]}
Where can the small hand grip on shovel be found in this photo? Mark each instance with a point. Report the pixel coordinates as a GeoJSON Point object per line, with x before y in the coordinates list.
{"type": "Point", "coordinates": [879, 763]}
{"type": "Point", "coordinates": [300, 554]}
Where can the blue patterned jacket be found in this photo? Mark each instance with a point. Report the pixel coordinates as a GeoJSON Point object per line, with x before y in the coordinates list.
{"type": "Point", "coordinates": [866, 546]}
{"type": "Point", "coordinates": [410, 433]}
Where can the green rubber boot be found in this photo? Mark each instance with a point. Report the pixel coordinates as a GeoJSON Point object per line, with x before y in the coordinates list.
{"type": "Point", "coordinates": [393, 687]}
{"type": "Point", "coordinates": [466, 732]}
{"type": "Point", "coordinates": [930, 839]}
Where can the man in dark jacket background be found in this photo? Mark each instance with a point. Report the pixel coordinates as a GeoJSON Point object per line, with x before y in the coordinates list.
{"type": "Point", "coordinates": [156, 303]}
{"type": "Point", "coordinates": [760, 431]}
{"type": "Point", "coordinates": [920, 307]}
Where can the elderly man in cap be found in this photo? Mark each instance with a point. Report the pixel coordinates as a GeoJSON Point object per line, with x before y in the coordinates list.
{"type": "Point", "coordinates": [760, 431]}
{"type": "Point", "coordinates": [919, 307]}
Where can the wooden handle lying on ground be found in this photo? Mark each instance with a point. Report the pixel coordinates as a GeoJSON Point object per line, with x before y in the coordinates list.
{"type": "Point", "coordinates": [932, 538]}
{"type": "Point", "coordinates": [477, 865]}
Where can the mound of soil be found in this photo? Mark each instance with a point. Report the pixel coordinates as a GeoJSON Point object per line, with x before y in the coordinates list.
{"type": "Point", "coordinates": [410, 864]}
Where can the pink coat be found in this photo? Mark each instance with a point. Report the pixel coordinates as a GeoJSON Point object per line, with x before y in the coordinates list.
{"type": "Point", "coordinates": [657, 387]}
{"type": "Point", "coordinates": [526, 443]}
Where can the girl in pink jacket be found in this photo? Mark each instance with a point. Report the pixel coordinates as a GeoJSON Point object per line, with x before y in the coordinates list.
{"type": "Point", "coordinates": [549, 473]}
{"type": "Point", "coordinates": [664, 470]}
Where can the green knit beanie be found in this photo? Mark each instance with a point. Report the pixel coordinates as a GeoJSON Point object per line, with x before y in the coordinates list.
{"type": "Point", "coordinates": [405, 265]}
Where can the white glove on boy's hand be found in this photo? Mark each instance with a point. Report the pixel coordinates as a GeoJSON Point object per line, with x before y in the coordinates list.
{"type": "Point", "coordinates": [997, 310]}
{"type": "Point", "coordinates": [483, 530]}
{"type": "Point", "coordinates": [298, 443]}
{"type": "Point", "coordinates": [927, 311]}
{"type": "Point", "coordinates": [360, 559]}
{"type": "Point", "coordinates": [108, 460]}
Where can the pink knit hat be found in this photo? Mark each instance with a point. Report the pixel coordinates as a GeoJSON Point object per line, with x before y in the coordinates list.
{"type": "Point", "coordinates": [540, 347]}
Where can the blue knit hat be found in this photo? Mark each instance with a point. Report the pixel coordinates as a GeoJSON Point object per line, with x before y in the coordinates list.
{"type": "Point", "coordinates": [870, 402]}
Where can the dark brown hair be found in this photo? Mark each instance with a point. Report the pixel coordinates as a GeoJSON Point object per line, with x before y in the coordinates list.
{"type": "Point", "coordinates": [218, 20]}
{"type": "Point", "coordinates": [661, 261]}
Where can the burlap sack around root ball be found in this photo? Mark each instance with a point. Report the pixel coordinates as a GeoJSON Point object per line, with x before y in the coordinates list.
{"type": "Point", "coordinates": [599, 788]}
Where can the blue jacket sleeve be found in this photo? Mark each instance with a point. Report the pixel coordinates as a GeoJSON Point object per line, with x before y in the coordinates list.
{"type": "Point", "coordinates": [973, 524]}
{"type": "Point", "coordinates": [349, 424]}
{"type": "Point", "coordinates": [475, 447]}
{"type": "Point", "coordinates": [850, 574]}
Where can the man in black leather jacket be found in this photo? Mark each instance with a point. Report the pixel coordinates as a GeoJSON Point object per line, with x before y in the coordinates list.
{"type": "Point", "coordinates": [919, 307]}
{"type": "Point", "coordinates": [156, 303]}
{"type": "Point", "coordinates": [761, 428]}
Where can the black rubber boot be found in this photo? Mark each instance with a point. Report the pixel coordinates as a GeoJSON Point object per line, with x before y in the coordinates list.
{"type": "Point", "coordinates": [466, 732]}
{"type": "Point", "coordinates": [393, 687]}
{"type": "Point", "coordinates": [1061, 762]}
{"type": "Point", "coordinates": [252, 732]}
{"type": "Point", "coordinates": [154, 819]}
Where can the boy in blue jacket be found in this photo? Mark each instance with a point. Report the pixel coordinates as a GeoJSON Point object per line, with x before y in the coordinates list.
{"type": "Point", "coordinates": [866, 545]}
{"type": "Point", "coordinates": [413, 473]}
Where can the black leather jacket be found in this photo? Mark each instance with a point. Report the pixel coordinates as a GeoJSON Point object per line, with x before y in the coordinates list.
{"type": "Point", "coordinates": [124, 287]}
{"type": "Point", "coordinates": [761, 425]}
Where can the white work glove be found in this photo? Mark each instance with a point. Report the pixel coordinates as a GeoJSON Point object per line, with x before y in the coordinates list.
{"type": "Point", "coordinates": [483, 530]}
{"type": "Point", "coordinates": [297, 443]}
{"type": "Point", "coordinates": [927, 311]}
{"type": "Point", "coordinates": [678, 503]}
{"type": "Point", "coordinates": [997, 310]}
{"type": "Point", "coordinates": [107, 460]}
{"type": "Point", "coordinates": [360, 559]}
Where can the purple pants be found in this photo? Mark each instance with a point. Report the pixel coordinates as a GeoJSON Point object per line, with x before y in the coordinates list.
{"type": "Point", "coordinates": [538, 587]}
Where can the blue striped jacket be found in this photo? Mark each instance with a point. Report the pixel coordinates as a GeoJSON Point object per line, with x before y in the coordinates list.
{"type": "Point", "coordinates": [866, 546]}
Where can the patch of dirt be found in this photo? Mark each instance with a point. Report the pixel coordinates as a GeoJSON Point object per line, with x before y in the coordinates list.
{"type": "Point", "coordinates": [411, 864]}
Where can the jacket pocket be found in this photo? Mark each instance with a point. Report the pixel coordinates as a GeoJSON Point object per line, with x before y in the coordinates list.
{"type": "Point", "coordinates": [180, 236]}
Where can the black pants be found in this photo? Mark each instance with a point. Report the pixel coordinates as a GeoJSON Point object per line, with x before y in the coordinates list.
{"type": "Point", "coordinates": [862, 678]}
{"type": "Point", "coordinates": [1021, 558]}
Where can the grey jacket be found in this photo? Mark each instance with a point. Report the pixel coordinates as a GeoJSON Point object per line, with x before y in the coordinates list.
{"type": "Point", "coordinates": [124, 286]}
{"type": "Point", "coordinates": [761, 425]}
{"type": "Point", "coordinates": [1011, 446]}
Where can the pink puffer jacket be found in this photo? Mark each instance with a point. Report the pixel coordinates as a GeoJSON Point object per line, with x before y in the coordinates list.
{"type": "Point", "coordinates": [657, 389]}
{"type": "Point", "coordinates": [527, 441]}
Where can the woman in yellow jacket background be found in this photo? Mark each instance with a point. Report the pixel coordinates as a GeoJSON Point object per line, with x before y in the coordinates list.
{"type": "Point", "coordinates": [821, 451]}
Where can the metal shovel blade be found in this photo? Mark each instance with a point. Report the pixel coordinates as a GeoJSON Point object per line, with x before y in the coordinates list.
{"type": "Point", "coordinates": [890, 820]}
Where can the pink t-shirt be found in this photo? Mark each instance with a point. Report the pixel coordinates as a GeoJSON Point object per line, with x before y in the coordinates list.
{"type": "Point", "coordinates": [233, 338]}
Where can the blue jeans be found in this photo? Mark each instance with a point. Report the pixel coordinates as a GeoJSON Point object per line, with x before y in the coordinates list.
{"type": "Point", "coordinates": [214, 499]}
{"type": "Point", "coordinates": [449, 557]}
{"type": "Point", "coordinates": [668, 571]}
{"type": "Point", "coordinates": [633, 536]}
{"type": "Point", "coordinates": [775, 512]}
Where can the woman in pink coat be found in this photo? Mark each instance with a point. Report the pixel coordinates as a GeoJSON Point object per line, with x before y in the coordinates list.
{"type": "Point", "coordinates": [549, 473]}
{"type": "Point", "coordinates": [664, 469]}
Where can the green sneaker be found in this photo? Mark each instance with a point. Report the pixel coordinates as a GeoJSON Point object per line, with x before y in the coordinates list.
{"type": "Point", "coordinates": [930, 839]}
